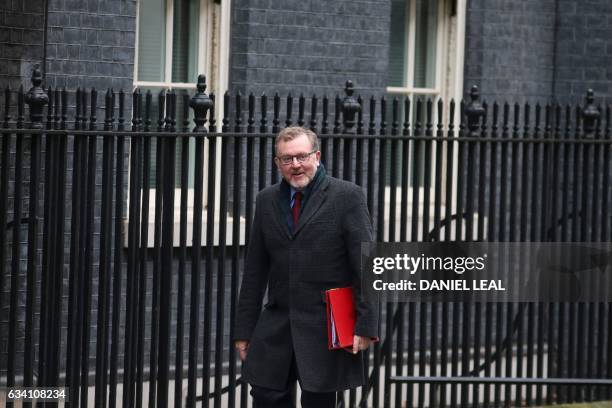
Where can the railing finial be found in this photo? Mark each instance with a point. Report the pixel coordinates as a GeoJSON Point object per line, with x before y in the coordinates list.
{"type": "Point", "coordinates": [590, 114]}
{"type": "Point", "coordinates": [201, 104]}
{"type": "Point", "coordinates": [474, 110]}
{"type": "Point", "coordinates": [36, 98]}
{"type": "Point", "coordinates": [350, 107]}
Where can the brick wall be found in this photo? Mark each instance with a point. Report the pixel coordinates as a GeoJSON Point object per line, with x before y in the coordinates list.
{"type": "Point", "coordinates": [21, 40]}
{"type": "Point", "coordinates": [309, 46]}
{"type": "Point", "coordinates": [584, 50]}
{"type": "Point", "coordinates": [91, 43]}
{"type": "Point", "coordinates": [539, 50]}
{"type": "Point", "coordinates": [509, 49]}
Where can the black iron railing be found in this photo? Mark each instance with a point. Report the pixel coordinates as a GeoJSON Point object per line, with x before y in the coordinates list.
{"type": "Point", "coordinates": [130, 285]}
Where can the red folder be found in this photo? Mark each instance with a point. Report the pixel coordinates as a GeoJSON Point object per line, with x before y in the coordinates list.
{"type": "Point", "coordinates": [341, 317]}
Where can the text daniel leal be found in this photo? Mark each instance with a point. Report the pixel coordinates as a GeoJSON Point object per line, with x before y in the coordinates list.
{"type": "Point", "coordinates": [457, 284]}
{"type": "Point", "coordinates": [449, 284]}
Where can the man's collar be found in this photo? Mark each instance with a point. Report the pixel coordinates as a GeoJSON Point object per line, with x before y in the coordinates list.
{"type": "Point", "coordinates": [319, 175]}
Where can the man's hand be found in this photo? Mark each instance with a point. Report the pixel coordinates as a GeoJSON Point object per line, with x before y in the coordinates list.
{"type": "Point", "coordinates": [242, 346]}
{"type": "Point", "coordinates": [360, 343]}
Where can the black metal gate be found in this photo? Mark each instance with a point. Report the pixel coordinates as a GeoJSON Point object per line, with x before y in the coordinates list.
{"type": "Point", "coordinates": [125, 237]}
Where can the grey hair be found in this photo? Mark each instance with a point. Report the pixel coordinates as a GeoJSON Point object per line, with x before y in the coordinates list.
{"type": "Point", "coordinates": [290, 133]}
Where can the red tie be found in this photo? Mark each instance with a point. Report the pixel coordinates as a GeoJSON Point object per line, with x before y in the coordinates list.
{"type": "Point", "coordinates": [297, 204]}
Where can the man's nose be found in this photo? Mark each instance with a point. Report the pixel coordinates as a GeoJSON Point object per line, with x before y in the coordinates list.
{"type": "Point", "coordinates": [295, 162]}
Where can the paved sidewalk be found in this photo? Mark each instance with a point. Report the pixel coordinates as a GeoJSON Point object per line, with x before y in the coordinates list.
{"type": "Point", "coordinates": [601, 404]}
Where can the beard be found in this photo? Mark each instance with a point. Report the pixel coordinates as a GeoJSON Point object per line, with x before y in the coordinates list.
{"type": "Point", "coordinates": [299, 181]}
{"type": "Point", "coordinates": [300, 177]}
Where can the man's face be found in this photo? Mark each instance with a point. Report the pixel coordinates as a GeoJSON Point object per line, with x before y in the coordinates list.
{"type": "Point", "coordinates": [297, 173]}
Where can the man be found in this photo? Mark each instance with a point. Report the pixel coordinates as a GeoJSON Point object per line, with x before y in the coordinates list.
{"type": "Point", "coordinates": [306, 238]}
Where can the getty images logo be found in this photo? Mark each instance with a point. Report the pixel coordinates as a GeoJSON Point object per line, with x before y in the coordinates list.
{"type": "Point", "coordinates": [413, 264]}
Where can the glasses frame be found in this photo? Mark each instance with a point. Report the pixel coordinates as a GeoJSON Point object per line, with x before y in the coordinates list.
{"type": "Point", "coordinates": [301, 158]}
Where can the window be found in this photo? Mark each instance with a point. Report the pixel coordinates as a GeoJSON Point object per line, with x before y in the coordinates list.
{"type": "Point", "coordinates": [178, 40]}
{"type": "Point", "coordinates": [426, 48]}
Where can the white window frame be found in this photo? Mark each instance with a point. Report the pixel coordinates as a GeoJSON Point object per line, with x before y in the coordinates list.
{"type": "Point", "coordinates": [442, 53]}
{"type": "Point", "coordinates": [216, 69]}
{"type": "Point", "coordinates": [204, 52]}
{"type": "Point", "coordinates": [449, 85]}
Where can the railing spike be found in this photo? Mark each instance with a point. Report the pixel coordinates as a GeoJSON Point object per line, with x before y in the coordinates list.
{"type": "Point", "coordinates": [372, 124]}
{"type": "Point", "coordinates": [337, 111]}
{"type": "Point", "coordinates": [313, 113]}
{"type": "Point", "coordinates": [301, 103]}
{"type": "Point", "coordinates": [7, 106]}
{"type": "Point", "coordinates": [264, 112]}
{"type": "Point", "coordinates": [324, 120]}
{"type": "Point", "coordinates": [225, 122]}
{"type": "Point", "coordinates": [288, 120]}
{"type": "Point", "coordinates": [212, 117]}
{"type": "Point", "coordinates": [50, 107]}
{"type": "Point", "coordinates": [276, 114]}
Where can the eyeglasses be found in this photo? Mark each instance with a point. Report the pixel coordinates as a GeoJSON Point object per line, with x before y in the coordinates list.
{"type": "Point", "coordinates": [301, 158]}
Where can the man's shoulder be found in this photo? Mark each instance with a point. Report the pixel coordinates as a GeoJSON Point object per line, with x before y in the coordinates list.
{"type": "Point", "coordinates": [268, 192]}
{"type": "Point", "coordinates": [343, 187]}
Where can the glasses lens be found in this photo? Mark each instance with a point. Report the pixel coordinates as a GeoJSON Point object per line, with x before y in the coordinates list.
{"type": "Point", "coordinates": [301, 158]}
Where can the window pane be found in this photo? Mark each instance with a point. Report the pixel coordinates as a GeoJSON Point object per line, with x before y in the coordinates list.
{"type": "Point", "coordinates": [180, 123]}
{"type": "Point", "coordinates": [151, 40]}
{"type": "Point", "coordinates": [154, 112]}
{"type": "Point", "coordinates": [425, 43]}
{"type": "Point", "coordinates": [398, 160]}
{"type": "Point", "coordinates": [397, 43]}
{"type": "Point", "coordinates": [185, 40]}
{"type": "Point", "coordinates": [422, 120]}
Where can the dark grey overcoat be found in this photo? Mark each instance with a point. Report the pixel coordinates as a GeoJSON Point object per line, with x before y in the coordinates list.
{"type": "Point", "coordinates": [297, 268]}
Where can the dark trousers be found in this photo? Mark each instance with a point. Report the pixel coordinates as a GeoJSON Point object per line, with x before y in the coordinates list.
{"type": "Point", "coordinates": [269, 398]}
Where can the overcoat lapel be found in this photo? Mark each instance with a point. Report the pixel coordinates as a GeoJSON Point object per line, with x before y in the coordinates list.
{"type": "Point", "coordinates": [314, 204]}
{"type": "Point", "coordinates": [281, 210]}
